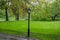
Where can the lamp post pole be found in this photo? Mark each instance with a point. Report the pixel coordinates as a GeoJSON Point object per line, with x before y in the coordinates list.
{"type": "Point", "coordinates": [28, 23]}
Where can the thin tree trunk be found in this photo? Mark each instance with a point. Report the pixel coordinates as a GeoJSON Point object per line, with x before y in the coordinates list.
{"type": "Point", "coordinates": [53, 18]}
{"type": "Point", "coordinates": [6, 15]}
{"type": "Point", "coordinates": [17, 16]}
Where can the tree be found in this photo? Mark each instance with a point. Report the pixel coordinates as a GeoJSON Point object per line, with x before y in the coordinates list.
{"type": "Point", "coordinates": [18, 7]}
{"type": "Point", "coordinates": [54, 9]}
{"type": "Point", "coordinates": [3, 5]}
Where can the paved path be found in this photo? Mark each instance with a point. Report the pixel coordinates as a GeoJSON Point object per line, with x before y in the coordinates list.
{"type": "Point", "coordinates": [9, 37]}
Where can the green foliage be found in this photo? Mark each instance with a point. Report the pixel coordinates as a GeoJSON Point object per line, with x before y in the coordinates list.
{"type": "Point", "coordinates": [3, 4]}
{"type": "Point", "coordinates": [40, 9]}
{"type": "Point", "coordinates": [46, 11]}
{"type": "Point", "coordinates": [2, 14]}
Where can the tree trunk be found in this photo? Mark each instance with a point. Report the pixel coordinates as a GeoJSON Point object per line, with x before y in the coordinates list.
{"type": "Point", "coordinates": [6, 15]}
{"type": "Point", "coordinates": [17, 16]}
{"type": "Point", "coordinates": [53, 18]}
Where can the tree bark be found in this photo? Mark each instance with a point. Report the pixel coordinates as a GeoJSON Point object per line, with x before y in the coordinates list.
{"type": "Point", "coordinates": [17, 16]}
{"type": "Point", "coordinates": [53, 18]}
{"type": "Point", "coordinates": [6, 15]}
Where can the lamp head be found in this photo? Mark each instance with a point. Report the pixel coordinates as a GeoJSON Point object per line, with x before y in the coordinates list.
{"type": "Point", "coordinates": [28, 10]}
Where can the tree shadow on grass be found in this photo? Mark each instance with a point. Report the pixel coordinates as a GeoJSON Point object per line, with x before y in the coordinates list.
{"type": "Point", "coordinates": [13, 32]}
{"type": "Point", "coordinates": [46, 36]}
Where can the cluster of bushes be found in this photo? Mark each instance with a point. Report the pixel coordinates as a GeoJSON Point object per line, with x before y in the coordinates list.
{"type": "Point", "coordinates": [39, 17]}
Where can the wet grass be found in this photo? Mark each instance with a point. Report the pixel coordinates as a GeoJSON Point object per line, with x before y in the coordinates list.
{"type": "Point", "coordinates": [44, 30]}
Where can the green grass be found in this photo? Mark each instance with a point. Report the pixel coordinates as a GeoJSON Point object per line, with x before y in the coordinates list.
{"type": "Point", "coordinates": [15, 27]}
{"type": "Point", "coordinates": [43, 30]}
{"type": "Point", "coordinates": [46, 30]}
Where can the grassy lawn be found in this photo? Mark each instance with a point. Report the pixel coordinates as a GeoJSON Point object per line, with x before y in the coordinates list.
{"type": "Point", "coordinates": [43, 30]}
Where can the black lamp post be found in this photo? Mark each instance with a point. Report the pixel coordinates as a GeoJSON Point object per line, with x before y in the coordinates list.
{"type": "Point", "coordinates": [28, 10]}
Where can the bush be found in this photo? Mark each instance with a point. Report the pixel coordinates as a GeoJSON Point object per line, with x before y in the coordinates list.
{"type": "Point", "coordinates": [38, 18]}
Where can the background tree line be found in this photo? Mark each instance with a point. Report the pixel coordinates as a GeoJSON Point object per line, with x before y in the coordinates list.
{"type": "Point", "coordinates": [41, 10]}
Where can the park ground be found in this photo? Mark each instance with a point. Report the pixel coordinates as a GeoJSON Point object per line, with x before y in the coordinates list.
{"type": "Point", "coordinates": [43, 30]}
